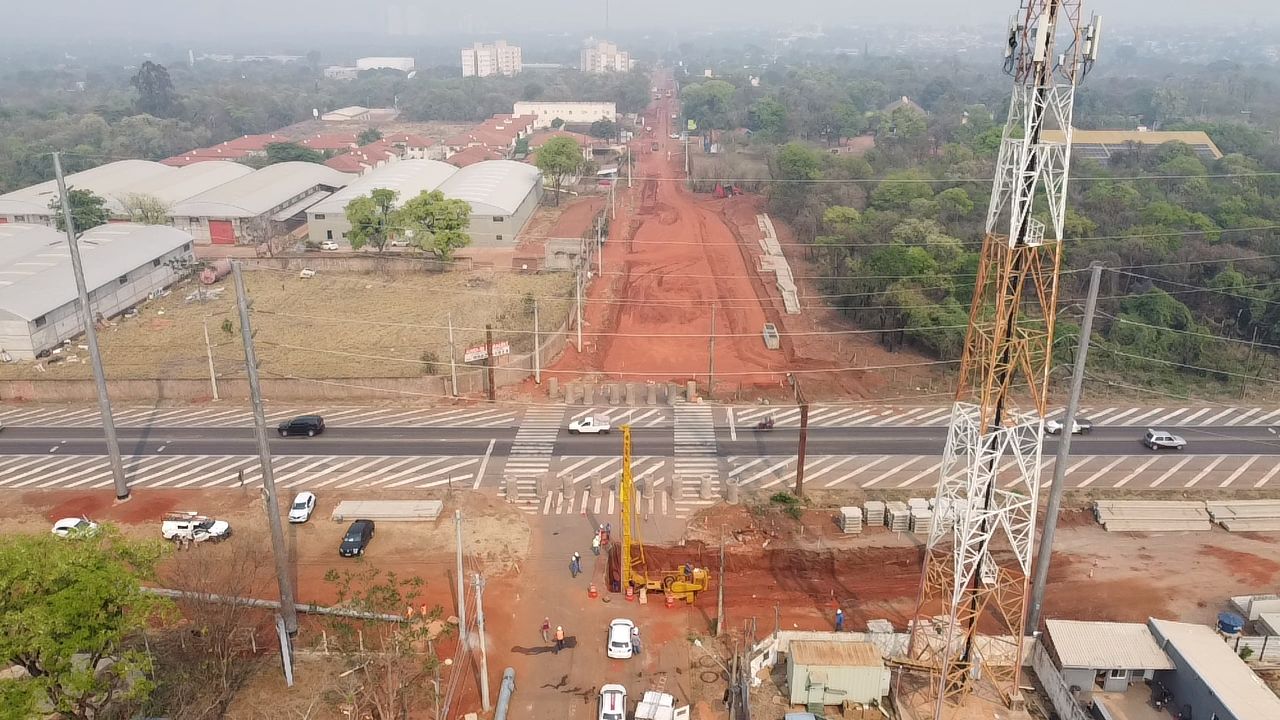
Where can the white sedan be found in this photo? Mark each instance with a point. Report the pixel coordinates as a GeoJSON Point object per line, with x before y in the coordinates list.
{"type": "Point", "coordinates": [613, 703]}
{"type": "Point", "coordinates": [328, 245]}
{"type": "Point", "coordinates": [1081, 426]}
{"type": "Point", "coordinates": [620, 638]}
{"type": "Point", "coordinates": [67, 527]}
{"type": "Point", "coordinates": [303, 505]}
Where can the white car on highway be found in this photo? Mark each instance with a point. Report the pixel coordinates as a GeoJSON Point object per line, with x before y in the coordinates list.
{"type": "Point", "coordinates": [303, 505]}
{"type": "Point", "coordinates": [1162, 440]}
{"type": "Point", "coordinates": [620, 630]}
{"type": "Point", "coordinates": [1081, 426]}
{"type": "Point", "coordinates": [590, 424]}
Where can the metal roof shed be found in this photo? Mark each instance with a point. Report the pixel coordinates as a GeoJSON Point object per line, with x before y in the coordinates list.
{"type": "Point", "coordinates": [32, 203]}
{"type": "Point", "coordinates": [494, 187]}
{"type": "Point", "coordinates": [1120, 652]}
{"type": "Point", "coordinates": [1209, 677]}
{"type": "Point", "coordinates": [327, 219]}
{"type": "Point", "coordinates": [274, 187]}
{"type": "Point", "coordinates": [833, 672]}
{"type": "Point", "coordinates": [184, 182]}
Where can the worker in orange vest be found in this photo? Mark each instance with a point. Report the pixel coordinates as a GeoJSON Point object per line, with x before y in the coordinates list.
{"type": "Point", "coordinates": [559, 639]}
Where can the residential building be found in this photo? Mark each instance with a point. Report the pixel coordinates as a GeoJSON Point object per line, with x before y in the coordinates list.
{"type": "Point", "coordinates": [1209, 680]}
{"type": "Point", "coordinates": [572, 113]}
{"type": "Point", "coordinates": [31, 204]}
{"type": "Point", "coordinates": [499, 134]}
{"type": "Point", "coordinates": [252, 208]}
{"type": "Point", "coordinates": [341, 72]}
{"type": "Point", "coordinates": [403, 64]}
{"type": "Point", "coordinates": [496, 58]}
{"type": "Point", "coordinates": [365, 158]}
{"type": "Point", "coordinates": [602, 57]}
{"type": "Point", "coordinates": [123, 264]}
{"type": "Point", "coordinates": [473, 155]}
{"type": "Point", "coordinates": [1100, 145]}
{"type": "Point", "coordinates": [332, 142]}
{"type": "Point", "coordinates": [327, 219]}
{"type": "Point", "coordinates": [415, 147]}
{"type": "Point", "coordinates": [503, 195]}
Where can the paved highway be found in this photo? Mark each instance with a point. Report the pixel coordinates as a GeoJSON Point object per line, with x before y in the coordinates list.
{"type": "Point", "coordinates": [404, 441]}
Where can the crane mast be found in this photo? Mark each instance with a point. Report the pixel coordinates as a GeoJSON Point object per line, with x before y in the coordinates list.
{"type": "Point", "coordinates": [977, 565]}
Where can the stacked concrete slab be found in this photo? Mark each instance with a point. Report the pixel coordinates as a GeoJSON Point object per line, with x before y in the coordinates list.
{"type": "Point", "coordinates": [897, 516]}
{"type": "Point", "coordinates": [850, 520]}
{"type": "Point", "coordinates": [775, 262]}
{"type": "Point", "coordinates": [388, 510]}
{"type": "Point", "coordinates": [1246, 515]}
{"type": "Point", "coordinates": [873, 512]}
{"type": "Point", "coordinates": [921, 520]}
{"type": "Point", "coordinates": [1152, 515]}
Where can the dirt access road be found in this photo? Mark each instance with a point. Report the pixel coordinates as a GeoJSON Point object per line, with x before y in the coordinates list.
{"type": "Point", "coordinates": [668, 262]}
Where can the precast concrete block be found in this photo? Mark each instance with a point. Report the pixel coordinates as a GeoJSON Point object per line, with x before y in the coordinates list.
{"type": "Point", "coordinates": [706, 489]}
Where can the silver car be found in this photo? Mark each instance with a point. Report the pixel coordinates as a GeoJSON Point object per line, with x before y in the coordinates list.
{"type": "Point", "coordinates": [1163, 440]}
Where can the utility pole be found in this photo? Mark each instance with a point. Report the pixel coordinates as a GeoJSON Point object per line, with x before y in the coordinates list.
{"type": "Point", "coordinates": [488, 361]}
{"type": "Point", "coordinates": [1045, 552]}
{"type": "Point", "coordinates": [91, 339]}
{"type": "Point", "coordinates": [711, 354]}
{"type": "Point", "coordinates": [720, 590]}
{"type": "Point", "coordinates": [453, 362]}
{"type": "Point", "coordinates": [629, 166]}
{"type": "Point", "coordinates": [600, 245]}
{"type": "Point", "coordinates": [484, 655]}
{"type": "Point", "coordinates": [537, 346]}
{"type": "Point", "coordinates": [208, 352]}
{"type": "Point", "coordinates": [278, 549]}
{"type": "Point", "coordinates": [802, 449]}
{"type": "Point", "coordinates": [460, 581]}
{"type": "Point", "coordinates": [577, 290]}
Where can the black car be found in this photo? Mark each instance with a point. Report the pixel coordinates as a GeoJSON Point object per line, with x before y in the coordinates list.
{"type": "Point", "coordinates": [309, 425]}
{"type": "Point", "coordinates": [356, 539]}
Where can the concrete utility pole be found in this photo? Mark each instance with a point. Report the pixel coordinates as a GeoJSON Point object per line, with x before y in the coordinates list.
{"type": "Point", "coordinates": [537, 346]}
{"type": "Point", "coordinates": [629, 185]}
{"type": "Point", "coordinates": [488, 361]}
{"type": "Point", "coordinates": [460, 581]}
{"type": "Point", "coordinates": [484, 655]}
{"type": "Point", "coordinates": [600, 245]}
{"type": "Point", "coordinates": [453, 362]}
{"type": "Point", "coordinates": [711, 354]}
{"type": "Point", "coordinates": [208, 352]}
{"type": "Point", "coordinates": [803, 446]}
{"type": "Point", "coordinates": [1045, 553]}
{"type": "Point", "coordinates": [287, 609]}
{"type": "Point", "coordinates": [91, 338]}
{"type": "Point", "coordinates": [577, 291]}
{"type": "Point", "coordinates": [720, 590]}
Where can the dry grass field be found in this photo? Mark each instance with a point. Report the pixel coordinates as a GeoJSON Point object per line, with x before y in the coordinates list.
{"type": "Point", "coordinates": [330, 326]}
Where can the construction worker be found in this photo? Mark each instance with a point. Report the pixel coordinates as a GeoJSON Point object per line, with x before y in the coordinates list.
{"type": "Point", "coordinates": [635, 640]}
{"type": "Point", "coordinates": [595, 544]}
{"type": "Point", "coordinates": [577, 564]}
{"type": "Point", "coordinates": [559, 639]}
{"type": "Point", "coordinates": [546, 630]}
{"type": "Point", "coordinates": [839, 620]}
{"type": "Point", "coordinates": [688, 572]}
{"type": "Point", "coordinates": [573, 565]}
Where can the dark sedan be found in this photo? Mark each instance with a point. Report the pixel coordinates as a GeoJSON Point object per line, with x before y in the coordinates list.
{"type": "Point", "coordinates": [356, 539]}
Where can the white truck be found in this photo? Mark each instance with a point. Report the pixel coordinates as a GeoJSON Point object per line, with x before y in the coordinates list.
{"type": "Point", "coordinates": [191, 526]}
{"type": "Point", "coordinates": [590, 424]}
{"type": "Point", "coordinates": [657, 705]}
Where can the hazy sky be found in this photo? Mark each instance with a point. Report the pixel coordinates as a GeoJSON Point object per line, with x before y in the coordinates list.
{"type": "Point", "coordinates": [205, 20]}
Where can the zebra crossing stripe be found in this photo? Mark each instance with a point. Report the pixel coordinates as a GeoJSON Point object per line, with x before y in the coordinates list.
{"type": "Point", "coordinates": [889, 472]}
{"type": "Point", "coordinates": [1169, 473]}
{"type": "Point", "coordinates": [1245, 416]}
{"type": "Point", "coordinates": [1216, 462]}
{"type": "Point", "coordinates": [37, 472]}
{"type": "Point", "coordinates": [1194, 415]}
{"type": "Point", "coordinates": [1239, 471]}
{"type": "Point", "coordinates": [1263, 480]}
{"type": "Point", "coordinates": [1125, 480]}
{"type": "Point", "coordinates": [1105, 469]}
{"type": "Point", "coordinates": [1137, 419]}
{"type": "Point", "coordinates": [932, 469]}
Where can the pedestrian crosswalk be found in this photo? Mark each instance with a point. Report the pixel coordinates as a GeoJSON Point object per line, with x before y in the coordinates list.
{"type": "Point", "coordinates": [636, 417]}
{"type": "Point", "coordinates": [695, 454]}
{"type": "Point", "coordinates": [531, 452]}
{"type": "Point", "coordinates": [219, 416]}
{"type": "Point", "coordinates": [940, 416]}
{"type": "Point", "coordinates": [309, 472]}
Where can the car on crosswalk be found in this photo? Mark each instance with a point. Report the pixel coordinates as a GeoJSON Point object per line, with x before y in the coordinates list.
{"type": "Point", "coordinates": [1082, 426]}
{"type": "Point", "coordinates": [590, 424]}
{"type": "Point", "coordinates": [1163, 440]}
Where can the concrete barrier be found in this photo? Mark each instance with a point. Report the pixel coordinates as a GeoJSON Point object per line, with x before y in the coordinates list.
{"type": "Point", "coordinates": [553, 387]}
{"type": "Point", "coordinates": [731, 490]}
{"type": "Point", "coordinates": [652, 396]}
{"type": "Point", "coordinates": [705, 490]}
{"type": "Point", "coordinates": [588, 393]}
{"type": "Point", "coordinates": [646, 488]}
{"type": "Point", "coordinates": [615, 393]}
{"type": "Point", "coordinates": [566, 486]}
{"type": "Point", "coordinates": [633, 394]}
{"type": "Point", "coordinates": [691, 390]}
{"type": "Point", "coordinates": [513, 489]}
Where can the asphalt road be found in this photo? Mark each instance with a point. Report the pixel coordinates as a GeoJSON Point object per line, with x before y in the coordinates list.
{"type": "Point", "coordinates": [658, 442]}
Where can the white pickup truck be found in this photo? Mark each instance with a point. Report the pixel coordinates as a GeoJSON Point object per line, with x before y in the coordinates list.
{"type": "Point", "coordinates": [590, 424]}
{"type": "Point", "coordinates": [190, 526]}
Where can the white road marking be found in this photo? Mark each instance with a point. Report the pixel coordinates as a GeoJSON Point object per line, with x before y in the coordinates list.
{"type": "Point", "coordinates": [911, 480]}
{"type": "Point", "coordinates": [1265, 478]}
{"type": "Point", "coordinates": [1244, 416]}
{"type": "Point", "coordinates": [1136, 473]}
{"type": "Point", "coordinates": [1239, 471]}
{"type": "Point", "coordinates": [1215, 418]}
{"type": "Point", "coordinates": [1216, 462]}
{"type": "Point", "coordinates": [733, 427]}
{"type": "Point", "coordinates": [1105, 469]}
{"type": "Point", "coordinates": [1137, 419]}
{"type": "Point", "coordinates": [1169, 473]}
{"type": "Point", "coordinates": [887, 473]}
{"type": "Point", "coordinates": [484, 464]}
{"type": "Point", "coordinates": [1187, 420]}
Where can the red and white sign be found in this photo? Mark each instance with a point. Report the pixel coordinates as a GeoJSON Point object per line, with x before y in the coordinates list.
{"type": "Point", "coordinates": [479, 352]}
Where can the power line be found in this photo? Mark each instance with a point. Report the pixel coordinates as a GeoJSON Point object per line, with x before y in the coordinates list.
{"type": "Point", "coordinates": [1187, 366]}
{"type": "Point", "coordinates": [1198, 288]}
{"type": "Point", "coordinates": [1208, 336]}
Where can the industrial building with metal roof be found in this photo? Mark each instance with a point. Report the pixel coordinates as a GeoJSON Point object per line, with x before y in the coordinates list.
{"type": "Point", "coordinates": [123, 264]}
{"type": "Point", "coordinates": [31, 204]}
{"type": "Point", "coordinates": [1209, 679]}
{"type": "Point", "coordinates": [1100, 145]}
{"type": "Point", "coordinates": [180, 183]}
{"type": "Point", "coordinates": [503, 195]}
{"type": "Point", "coordinates": [327, 219]}
{"type": "Point", "coordinates": [278, 193]}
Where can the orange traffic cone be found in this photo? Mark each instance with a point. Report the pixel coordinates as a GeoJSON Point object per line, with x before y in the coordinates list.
{"type": "Point", "coordinates": [592, 592]}
{"type": "Point", "coordinates": [671, 600]}
{"type": "Point", "coordinates": [631, 593]}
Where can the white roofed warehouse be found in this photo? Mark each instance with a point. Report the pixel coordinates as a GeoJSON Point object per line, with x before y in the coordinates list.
{"type": "Point", "coordinates": [31, 204]}
{"type": "Point", "coordinates": [327, 219]}
{"type": "Point", "coordinates": [123, 264]}
{"type": "Point", "coordinates": [503, 195]}
{"type": "Point", "coordinates": [252, 208]}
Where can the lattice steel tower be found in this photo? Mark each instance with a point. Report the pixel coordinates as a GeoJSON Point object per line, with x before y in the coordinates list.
{"type": "Point", "coordinates": [976, 569]}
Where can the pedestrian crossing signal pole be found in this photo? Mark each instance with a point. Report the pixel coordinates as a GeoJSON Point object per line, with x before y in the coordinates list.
{"type": "Point", "coordinates": [287, 609]}
{"type": "Point", "coordinates": [91, 338]}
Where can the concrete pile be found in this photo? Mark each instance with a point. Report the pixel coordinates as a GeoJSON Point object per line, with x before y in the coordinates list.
{"type": "Point", "coordinates": [850, 520]}
{"type": "Point", "coordinates": [921, 520]}
{"type": "Point", "coordinates": [775, 262]}
{"type": "Point", "coordinates": [897, 516]}
{"type": "Point", "coordinates": [873, 512]}
{"type": "Point", "coordinates": [1246, 515]}
{"type": "Point", "coordinates": [1152, 515]}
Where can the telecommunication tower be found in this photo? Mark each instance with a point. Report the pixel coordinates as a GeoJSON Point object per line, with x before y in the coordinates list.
{"type": "Point", "coordinates": [978, 557]}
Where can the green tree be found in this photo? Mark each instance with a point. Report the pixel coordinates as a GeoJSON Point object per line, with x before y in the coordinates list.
{"type": "Point", "coordinates": [604, 129]}
{"type": "Point", "coordinates": [558, 158]}
{"type": "Point", "coordinates": [768, 117]}
{"type": "Point", "coordinates": [898, 190]}
{"type": "Point", "coordinates": [87, 210]}
{"type": "Point", "coordinates": [436, 223]}
{"type": "Point", "coordinates": [71, 611]}
{"type": "Point", "coordinates": [291, 152]}
{"type": "Point", "coordinates": [156, 95]}
{"type": "Point", "coordinates": [372, 219]}
{"type": "Point", "coordinates": [954, 204]}
{"type": "Point", "coordinates": [145, 209]}
{"type": "Point", "coordinates": [794, 168]}
{"type": "Point", "coordinates": [369, 135]}
{"type": "Point", "coordinates": [710, 104]}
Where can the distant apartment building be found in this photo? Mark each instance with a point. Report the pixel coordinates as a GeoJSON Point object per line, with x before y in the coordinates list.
{"type": "Point", "coordinates": [403, 64]}
{"type": "Point", "coordinates": [497, 58]}
{"type": "Point", "coordinates": [602, 57]}
{"type": "Point", "coordinates": [571, 113]}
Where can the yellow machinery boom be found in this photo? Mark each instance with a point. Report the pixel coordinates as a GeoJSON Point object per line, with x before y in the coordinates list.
{"type": "Point", "coordinates": [684, 584]}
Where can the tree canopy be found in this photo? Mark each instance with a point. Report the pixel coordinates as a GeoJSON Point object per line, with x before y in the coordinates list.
{"type": "Point", "coordinates": [156, 95]}
{"type": "Point", "coordinates": [292, 152]}
{"type": "Point", "coordinates": [558, 158]}
{"type": "Point", "coordinates": [372, 219]}
{"type": "Point", "coordinates": [87, 210]}
{"type": "Point", "coordinates": [436, 223]}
